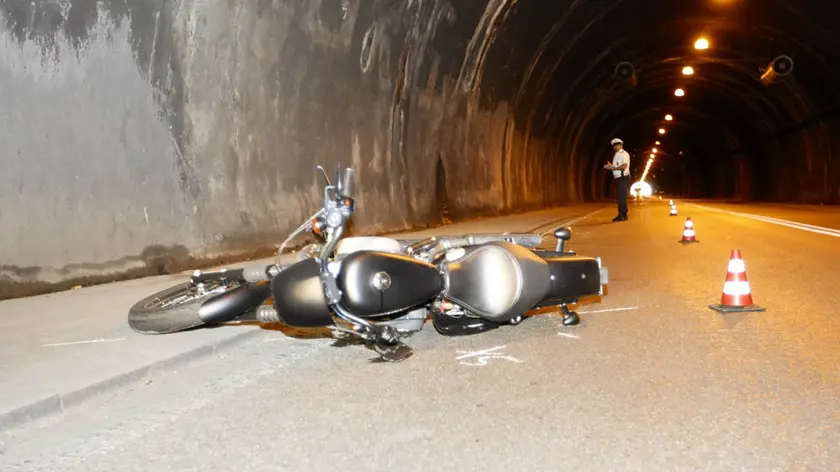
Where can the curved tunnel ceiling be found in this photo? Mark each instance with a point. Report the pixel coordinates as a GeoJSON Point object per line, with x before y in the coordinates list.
{"type": "Point", "coordinates": [558, 62]}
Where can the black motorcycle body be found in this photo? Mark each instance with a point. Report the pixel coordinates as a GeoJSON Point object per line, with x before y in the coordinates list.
{"type": "Point", "coordinates": [383, 287]}
{"type": "Point", "coordinates": [496, 282]}
{"type": "Point", "coordinates": [373, 284]}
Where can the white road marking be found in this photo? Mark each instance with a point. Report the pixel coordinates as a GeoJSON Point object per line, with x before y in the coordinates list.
{"type": "Point", "coordinates": [483, 357]}
{"type": "Point", "coordinates": [92, 341]}
{"type": "Point", "coordinates": [570, 222]}
{"type": "Point", "coordinates": [609, 310]}
{"type": "Point", "coordinates": [777, 221]}
{"type": "Point", "coordinates": [569, 335]}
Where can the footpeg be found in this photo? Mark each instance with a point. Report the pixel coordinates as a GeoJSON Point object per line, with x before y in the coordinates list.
{"type": "Point", "coordinates": [570, 318]}
{"type": "Point", "coordinates": [393, 353]}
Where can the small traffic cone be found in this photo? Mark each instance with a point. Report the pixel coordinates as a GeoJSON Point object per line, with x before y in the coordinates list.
{"type": "Point", "coordinates": [673, 210]}
{"type": "Point", "coordinates": [737, 296]}
{"type": "Point", "coordinates": [689, 235]}
{"type": "Point", "coordinates": [671, 202]}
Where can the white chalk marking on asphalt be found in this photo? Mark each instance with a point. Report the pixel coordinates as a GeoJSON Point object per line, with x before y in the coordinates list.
{"type": "Point", "coordinates": [777, 221]}
{"type": "Point", "coordinates": [483, 357]}
{"type": "Point", "coordinates": [569, 335]}
{"type": "Point", "coordinates": [92, 341]}
{"type": "Point", "coordinates": [607, 310]}
{"type": "Point", "coordinates": [570, 222]}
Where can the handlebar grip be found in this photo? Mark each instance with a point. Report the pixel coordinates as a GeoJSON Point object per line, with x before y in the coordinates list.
{"type": "Point", "coordinates": [251, 274]}
{"type": "Point", "coordinates": [339, 185]}
{"type": "Point", "coordinates": [255, 274]}
{"type": "Point", "coordinates": [202, 277]}
{"type": "Point", "coordinates": [347, 183]}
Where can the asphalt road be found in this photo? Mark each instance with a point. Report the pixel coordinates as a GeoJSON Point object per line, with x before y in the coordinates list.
{"type": "Point", "coordinates": [652, 379]}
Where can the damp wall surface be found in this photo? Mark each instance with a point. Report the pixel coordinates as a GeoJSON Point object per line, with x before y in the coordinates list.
{"type": "Point", "coordinates": [141, 134]}
{"type": "Point", "coordinates": [147, 136]}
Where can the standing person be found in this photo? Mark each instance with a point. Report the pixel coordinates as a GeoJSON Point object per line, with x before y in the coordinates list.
{"type": "Point", "coordinates": [620, 167]}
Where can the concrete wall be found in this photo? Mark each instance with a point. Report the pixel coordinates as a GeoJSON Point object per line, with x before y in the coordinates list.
{"type": "Point", "coordinates": [141, 134]}
{"type": "Point", "coordinates": [145, 136]}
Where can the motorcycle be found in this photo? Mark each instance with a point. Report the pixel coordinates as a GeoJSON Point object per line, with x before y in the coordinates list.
{"type": "Point", "coordinates": [382, 289]}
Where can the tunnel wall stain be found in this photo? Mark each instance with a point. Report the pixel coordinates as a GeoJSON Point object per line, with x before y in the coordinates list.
{"type": "Point", "coordinates": [146, 136]}
{"type": "Point", "coordinates": [142, 136]}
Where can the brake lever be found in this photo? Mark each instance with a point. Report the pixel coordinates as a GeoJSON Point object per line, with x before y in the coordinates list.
{"type": "Point", "coordinates": [326, 177]}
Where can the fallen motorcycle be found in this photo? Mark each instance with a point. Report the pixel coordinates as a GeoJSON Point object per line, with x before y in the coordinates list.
{"type": "Point", "coordinates": [380, 289]}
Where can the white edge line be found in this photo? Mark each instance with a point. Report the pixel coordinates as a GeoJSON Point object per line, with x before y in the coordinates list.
{"type": "Point", "coordinates": [793, 222]}
{"type": "Point", "coordinates": [609, 310]}
{"type": "Point", "coordinates": [83, 342]}
{"type": "Point", "coordinates": [777, 221]}
{"type": "Point", "coordinates": [477, 353]}
{"type": "Point", "coordinates": [567, 223]}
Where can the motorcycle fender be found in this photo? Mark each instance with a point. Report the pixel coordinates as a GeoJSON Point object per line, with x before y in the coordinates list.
{"type": "Point", "coordinates": [571, 278]}
{"type": "Point", "coordinates": [299, 297]}
{"type": "Point", "coordinates": [231, 304]}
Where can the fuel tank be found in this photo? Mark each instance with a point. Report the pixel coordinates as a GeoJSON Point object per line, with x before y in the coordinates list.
{"type": "Point", "coordinates": [377, 283]}
{"type": "Point", "coordinates": [298, 296]}
{"type": "Point", "coordinates": [497, 281]}
{"type": "Point", "coordinates": [571, 277]}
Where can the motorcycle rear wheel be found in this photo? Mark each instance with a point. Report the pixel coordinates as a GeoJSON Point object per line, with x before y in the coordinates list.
{"type": "Point", "coordinates": [173, 309]}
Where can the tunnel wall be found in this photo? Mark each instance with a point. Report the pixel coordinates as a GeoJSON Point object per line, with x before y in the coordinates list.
{"type": "Point", "coordinates": [142, 135]}
{"type": "Point", "coordinates": [801, 165]}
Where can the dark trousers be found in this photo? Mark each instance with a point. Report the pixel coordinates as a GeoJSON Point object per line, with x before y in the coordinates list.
{"type": "Point", "coordinates": [622, 185]}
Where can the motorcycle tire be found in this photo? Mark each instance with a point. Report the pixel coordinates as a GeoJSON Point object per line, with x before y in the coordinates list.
{"type": "Point", "coordinates": [148, 316]}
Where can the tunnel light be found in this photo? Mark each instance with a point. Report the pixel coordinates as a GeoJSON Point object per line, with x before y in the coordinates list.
{"type": "Point", "coordinates": [701, 44]}
{"type": "Point", "coordinates": [642, 188]}
{"type": "Point", "coordinates": [668, 117]}
{"type": "Point", "coordinates": [688, 70]}
{"type": "Point", "coordinates": [652, 155]}
{"type": "Point", "coordinates": [679, 92]}
{"type": "Point", "coordinates": [658, 143]}
{"type": "Point", "coordinates": [661, 130]}
{"type": "Point", "coordinates": [655, 150]}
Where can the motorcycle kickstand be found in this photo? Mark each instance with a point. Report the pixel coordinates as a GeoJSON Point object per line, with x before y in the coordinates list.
{"type": "Point", "coordinates": [385, 340]}
{"type": "Point", "coordinates": [570, 318]}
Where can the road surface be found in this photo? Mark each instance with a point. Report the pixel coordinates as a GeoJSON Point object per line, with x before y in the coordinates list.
{"type": "Point", "coordinates": [652, 379]}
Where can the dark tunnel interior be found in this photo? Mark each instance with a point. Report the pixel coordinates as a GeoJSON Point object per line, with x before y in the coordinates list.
{"type": "Point", "coordinates": [186, 131]}
{"type": "Point", "coordinates": [738, 132]}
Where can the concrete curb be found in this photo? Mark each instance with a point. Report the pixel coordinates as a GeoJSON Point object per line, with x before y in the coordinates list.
{"type": "Point", "coordinates": [38, 408]}
{"type": "Point", "coordinates": [61, 402]}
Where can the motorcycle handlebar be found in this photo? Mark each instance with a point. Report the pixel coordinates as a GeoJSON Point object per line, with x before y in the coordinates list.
{"type": "Point", "coordinates": [252, 274]}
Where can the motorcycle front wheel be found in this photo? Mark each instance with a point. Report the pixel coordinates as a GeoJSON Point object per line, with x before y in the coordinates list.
{"type": "Point", "coordinates": [175, 308]}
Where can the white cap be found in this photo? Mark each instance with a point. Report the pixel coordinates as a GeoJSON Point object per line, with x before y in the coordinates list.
{"type": "Point", "coordinates": [616, 141]}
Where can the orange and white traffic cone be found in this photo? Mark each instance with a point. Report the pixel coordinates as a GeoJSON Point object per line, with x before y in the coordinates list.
{"type": "Point", "coordinates": [737, 296]}
{"type": "Point", "coordinates": [689, 236]}
{"type": "Point", "coordinates": [673, 210]}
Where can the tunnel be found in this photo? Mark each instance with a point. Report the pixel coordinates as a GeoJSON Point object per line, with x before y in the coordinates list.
{"type": "Point", "coordinates": [147, 136]}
